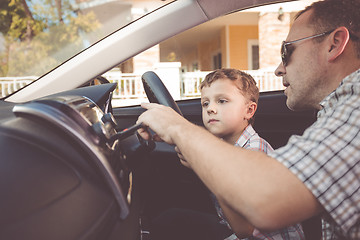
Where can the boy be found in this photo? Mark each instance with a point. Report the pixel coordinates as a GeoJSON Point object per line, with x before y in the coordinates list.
{"type": "Point", "coordinates": [229, 100]}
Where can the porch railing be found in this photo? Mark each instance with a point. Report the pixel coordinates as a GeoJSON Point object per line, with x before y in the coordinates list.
{"type": "Point", "coordinates": [129, 85]}
{"type": "Point", "coordinates": [130, 90]}
{"type": "Point", "coordinates": [265, 80]}
{"type": "Point", "coordinates": [9, 85]}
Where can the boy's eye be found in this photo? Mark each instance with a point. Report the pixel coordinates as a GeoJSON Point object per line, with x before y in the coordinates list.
{"type": "Point", "coordinates": [222, 101]}
{"type": "Point", "coordinates": [204, 104]}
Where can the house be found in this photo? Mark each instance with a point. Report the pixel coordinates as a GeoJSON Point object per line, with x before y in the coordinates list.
{"type": "Point", "coordinates": [238, 40]}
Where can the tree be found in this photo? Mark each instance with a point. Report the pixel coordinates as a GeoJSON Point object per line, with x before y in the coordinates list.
{"type": "Point", "coordinates": [37, 34]}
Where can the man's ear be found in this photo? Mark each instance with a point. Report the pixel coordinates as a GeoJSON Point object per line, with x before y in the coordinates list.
{"type": "Point", "coordinates": [339, 39]}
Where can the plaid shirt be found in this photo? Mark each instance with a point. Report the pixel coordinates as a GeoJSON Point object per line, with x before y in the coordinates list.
{"type": "Point", "coordinates": [249, 139]}
{"type": "Point", "coordinates": [327, 156]}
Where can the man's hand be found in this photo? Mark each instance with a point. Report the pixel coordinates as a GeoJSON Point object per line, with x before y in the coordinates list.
{"type": "Point", "coordinates": [164, 121]}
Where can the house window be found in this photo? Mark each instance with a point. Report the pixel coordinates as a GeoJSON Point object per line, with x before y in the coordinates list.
{"type": "Point", "coordinates": [253, 56]}
{"type": "Point", "coordinates": [195, 66]}
{"type": "Point", "coordinates": [217, 61]}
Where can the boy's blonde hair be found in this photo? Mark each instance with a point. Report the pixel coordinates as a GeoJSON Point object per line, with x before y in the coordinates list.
{"type": "Point", "coordinates": [245, 83]}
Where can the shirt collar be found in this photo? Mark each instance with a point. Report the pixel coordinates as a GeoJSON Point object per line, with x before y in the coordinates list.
{"type": "Point", "coordinates": [340, 90]}
{"type": "Point", "coordinates": [245, 136]}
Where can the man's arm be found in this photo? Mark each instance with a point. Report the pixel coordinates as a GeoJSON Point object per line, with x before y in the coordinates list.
{"type": "Point", "coordinates": [253, 184]}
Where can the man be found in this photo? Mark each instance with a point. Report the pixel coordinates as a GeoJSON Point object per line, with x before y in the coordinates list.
{"type": "Point", "coordinates": [315, 174]}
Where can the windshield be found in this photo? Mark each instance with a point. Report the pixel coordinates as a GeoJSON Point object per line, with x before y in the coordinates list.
{"type": "Point", "coordinates": [38, 35]}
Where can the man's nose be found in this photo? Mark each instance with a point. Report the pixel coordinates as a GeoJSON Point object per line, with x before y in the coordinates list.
{"type": "Point", "coordinates": [280, 70]}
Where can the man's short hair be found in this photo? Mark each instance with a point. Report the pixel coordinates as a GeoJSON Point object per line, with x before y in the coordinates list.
{"type": "Point", "coordinates": [331, 14]}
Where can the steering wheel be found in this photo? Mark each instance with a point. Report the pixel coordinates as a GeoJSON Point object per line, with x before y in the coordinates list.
{"type": "Point", "coordinates": [156, 91]}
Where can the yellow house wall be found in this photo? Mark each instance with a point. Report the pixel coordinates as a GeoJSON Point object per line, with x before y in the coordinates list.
{"type": "Point", "coordinates": [238, 51]}
{"type": "Point", "coordinates": [235, 57]}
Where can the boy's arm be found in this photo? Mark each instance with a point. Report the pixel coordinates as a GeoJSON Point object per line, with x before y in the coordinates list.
{"type": "Point", "coordinates": [239, 225]}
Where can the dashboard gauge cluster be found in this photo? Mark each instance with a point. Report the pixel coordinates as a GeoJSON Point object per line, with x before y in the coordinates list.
{"type": "Point", "coordinates": [94, 130]}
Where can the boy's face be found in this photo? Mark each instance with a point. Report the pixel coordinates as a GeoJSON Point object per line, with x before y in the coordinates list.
{"type": "Point", "coordinates": [225, 110]}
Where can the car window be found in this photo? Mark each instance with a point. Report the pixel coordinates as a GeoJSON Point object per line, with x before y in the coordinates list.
{"type": "Point", "coordinates": [247, 40]}
{"type": "Point", "coordinates": [38, 35]}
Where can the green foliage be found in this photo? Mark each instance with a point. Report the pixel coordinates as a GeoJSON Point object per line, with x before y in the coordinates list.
{"type": "Point", "coordinates": [35, 38]}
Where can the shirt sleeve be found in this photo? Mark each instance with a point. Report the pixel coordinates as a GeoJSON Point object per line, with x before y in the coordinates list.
{"type": "Point", "coordinates": [326, 158]}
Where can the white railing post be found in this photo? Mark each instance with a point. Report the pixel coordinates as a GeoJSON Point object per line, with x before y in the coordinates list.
{"type": "Point", "coordinates": [169, 73]}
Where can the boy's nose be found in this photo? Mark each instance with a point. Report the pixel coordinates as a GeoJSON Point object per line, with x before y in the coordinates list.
{"type": "Point", "coordinates": [211, 109]}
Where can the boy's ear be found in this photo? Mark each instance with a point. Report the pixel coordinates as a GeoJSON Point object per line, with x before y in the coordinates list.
{"type": "Point", "coordinates": [252, 106]}
{"type": "Point", "coordinates": [338, 41]}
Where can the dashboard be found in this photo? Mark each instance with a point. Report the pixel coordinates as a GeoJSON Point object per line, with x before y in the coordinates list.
{"type": "Point", "coordinates": [64, 156]}
{"type": "Point", "coordinates": [87, 124]}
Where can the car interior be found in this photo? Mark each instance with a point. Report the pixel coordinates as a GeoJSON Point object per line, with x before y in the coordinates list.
{"type": "Point", "coordinates": [172, 185]}
{"type": "Point", "coordinates": [75, 167]}
{"type": "Point", "coordinates": [151, 177]}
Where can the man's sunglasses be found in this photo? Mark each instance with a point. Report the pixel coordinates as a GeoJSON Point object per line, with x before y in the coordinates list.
{"type": "Point", "coordinates": [286, 51]}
